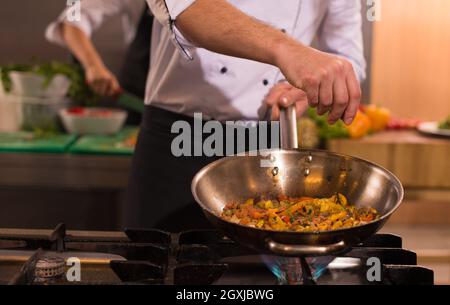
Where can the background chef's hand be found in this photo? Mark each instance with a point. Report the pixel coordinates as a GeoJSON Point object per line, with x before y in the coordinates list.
{"type": "Point", "coordinates": [329, 81]}
{"type": "Point", "coordinates": [283, 95]}
{"type": "Point", "coordinates": [102, 81]}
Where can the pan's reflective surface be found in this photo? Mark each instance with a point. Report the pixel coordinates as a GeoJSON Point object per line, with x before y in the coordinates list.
{"type": "Point", "coordinates": [296, 173]}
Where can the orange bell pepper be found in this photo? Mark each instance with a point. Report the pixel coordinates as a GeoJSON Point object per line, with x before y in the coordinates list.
{"type": "Point", "coordinates": [379, 117]}
{"type": "Point", "coordinates": [360, 126]}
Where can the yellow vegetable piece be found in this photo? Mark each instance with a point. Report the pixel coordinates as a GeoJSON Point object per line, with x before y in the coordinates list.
{"type": "Point", "coordinates": [360, 127]}
{"type": "Point", "coordinates": [379, 117]}
{"type": "Point", "coordinates": [248, 202]}
{"type": "Point", "coordinates": [268, 204]}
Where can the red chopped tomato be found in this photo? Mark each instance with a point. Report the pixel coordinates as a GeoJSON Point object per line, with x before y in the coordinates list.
{"type": "Point", "coordinates": [286, 219]}
{"type": "Point", "coordinates": [76, 110]}
{"type": "Point", "coordinates": [397, 123]}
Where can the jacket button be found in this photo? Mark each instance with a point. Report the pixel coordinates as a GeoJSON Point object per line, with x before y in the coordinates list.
{"type": "Point", "coordinates": [265, 82]}
{"type": "Point", "coordinates": [223, 70]}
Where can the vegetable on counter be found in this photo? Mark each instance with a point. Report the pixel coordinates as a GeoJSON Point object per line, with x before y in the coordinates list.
{"type": "Point", "coordinates": [445, 124]}
{"type": "Point", "coordinates": [379, 117]}
{"type": "Point", "coordinates": [360, 126]}
{"type": "Point", "coordinates": [369, 119]}
{"type": "Point", "coordinates": [398, 124]}
{"type": "Point", "coordinates": [90, 112]}
{"type": "Point", "coordinates": [79, 91]}
{"type": "Point", "coordinates": [308, 133]}
{"type": "Point", "coordinates": [325, 130]}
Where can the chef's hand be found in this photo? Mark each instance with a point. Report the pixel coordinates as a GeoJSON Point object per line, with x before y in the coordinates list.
{"type": "Point", "coordinates": [284, 95]}
{"type": "Point", "coordinates": [102, 81]}
{"type": "Point", "coordinates": [329, 81]}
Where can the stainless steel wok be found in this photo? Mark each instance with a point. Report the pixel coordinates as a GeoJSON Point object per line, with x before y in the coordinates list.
{"type": "Point", "coordinates": [296, 173]}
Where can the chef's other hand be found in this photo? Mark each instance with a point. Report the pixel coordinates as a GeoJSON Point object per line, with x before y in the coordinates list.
{"type": "Point", "coordinates": [284, 95]}
{"type": "Point", "coordinates": [329, 81]}
{"type": "Point", "coordinates": [102, 81]}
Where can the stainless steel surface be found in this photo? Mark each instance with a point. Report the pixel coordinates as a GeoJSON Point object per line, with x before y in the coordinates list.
{"type": "Point", "coordinates": [237, 178]}
{"type": "Point", "coordinates": [96, 258]}
{"type": "Point", "coordinates": [304, 250]}
{"type": "Point", "coordinates": [44, 233]}
{"type": "Point", "coordinates": [288, 128]}
{"type": "Point", "coordinates": [310, 173]}
{"type": "Point", "coordinates": [296, 173]}
{"type": "Point", "coordinates": [48, 268]}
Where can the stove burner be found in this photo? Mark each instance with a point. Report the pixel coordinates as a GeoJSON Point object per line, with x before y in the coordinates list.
{"type": "Point", "coordinates": [49, 269]}
{"type": "Point", "coordinates": [204, 257]}
{"type": "Point", "coordinates": [292, 273]}
{"type": "Point", "coordinates": [297, 271]}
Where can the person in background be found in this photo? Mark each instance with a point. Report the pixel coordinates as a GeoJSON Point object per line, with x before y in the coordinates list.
{"type": "Point", "coordinates": [220, 58]}
{"type": "Point", "coordinates": [76, 36]}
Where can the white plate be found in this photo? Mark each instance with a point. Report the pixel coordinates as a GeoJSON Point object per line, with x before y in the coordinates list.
{"type": "Point", "coordinates": [432, 128]}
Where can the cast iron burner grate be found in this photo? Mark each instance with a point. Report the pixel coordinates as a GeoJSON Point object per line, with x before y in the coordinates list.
{"type": "Point", "coordinates": [204, 257]}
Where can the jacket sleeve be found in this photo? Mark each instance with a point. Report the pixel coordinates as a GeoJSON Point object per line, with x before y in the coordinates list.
{"type": "Point", "coordinates": [166, 12]}
{"type": "Point", "coordinates": [341, 33]}
{"type": "Point", "coordinates": [93, 13]}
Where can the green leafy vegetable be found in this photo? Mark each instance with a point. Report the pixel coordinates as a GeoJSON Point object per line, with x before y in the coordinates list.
{"type": "Point", "coordinates": [327, 131]}
{"type": "Point", "coordinates": [79, 91]}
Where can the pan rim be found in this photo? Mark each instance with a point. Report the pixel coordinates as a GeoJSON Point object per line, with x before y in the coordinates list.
{"type": "Point", "coordinates": [216, 163]}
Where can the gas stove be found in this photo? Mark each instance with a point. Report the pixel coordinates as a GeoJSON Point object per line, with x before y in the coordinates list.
{"type": "Point", "coordinates": [195, 257]}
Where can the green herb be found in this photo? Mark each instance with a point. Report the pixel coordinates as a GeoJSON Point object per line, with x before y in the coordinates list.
{"type": "Point", "coordinates": [327, 131]}
{"type": "Point", "coordinates": [445, 124]}
{"type": "Point", "coordinates": [291, 216]}
{"type": "Point", "coordinates": [79, 91]}
{"type": "Point", "coordinates": [39, 133]}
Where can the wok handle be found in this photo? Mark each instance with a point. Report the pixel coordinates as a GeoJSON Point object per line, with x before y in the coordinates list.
{"type": "Point", "coordinates": [288, 128]}
{"type": "Point", "coordinates": [304, 250]}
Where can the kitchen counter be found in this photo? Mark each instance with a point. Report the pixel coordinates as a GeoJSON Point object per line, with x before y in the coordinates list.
{"type": "Point", "coordinates": [84, 191]}
{"type": "Point", "coordinates": [418, 161]}
{"type": "Point", "coordinates": [64, 170]}
{"type": "Point", "coordinates": [88, 191]}
{"type": "Point", "coordinates": [421, 163]}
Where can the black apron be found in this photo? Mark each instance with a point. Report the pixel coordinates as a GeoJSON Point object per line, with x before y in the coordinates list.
{"type": "Point", "coordinates": [159, 190]}
{"type": "Point", "coordinates": [133, 74]}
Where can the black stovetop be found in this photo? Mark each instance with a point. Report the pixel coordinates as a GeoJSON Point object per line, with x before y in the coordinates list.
{"type": "Point", "coordinates": [202, 257]}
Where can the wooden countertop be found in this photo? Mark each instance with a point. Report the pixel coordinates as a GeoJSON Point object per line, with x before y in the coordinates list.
{"type": "Point", "coordinates": [419, 161]}
{"type": "Point", "coordinates": [399, 137]}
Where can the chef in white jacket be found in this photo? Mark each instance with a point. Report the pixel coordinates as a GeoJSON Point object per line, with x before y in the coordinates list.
{"type": "Point", "coordinates": [136, 21]}
{"type": "Point", "coordinates": [232, 60]}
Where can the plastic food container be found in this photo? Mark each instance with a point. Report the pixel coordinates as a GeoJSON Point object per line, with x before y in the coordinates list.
{"type": "Point", "coordinates": [10, 114]}
{"type": "Point", "coordinates": [30, 113]}
{"type": "Point", "coordinates": [100, 121]}
{"type": "Point", "coordinates": [31, 84]}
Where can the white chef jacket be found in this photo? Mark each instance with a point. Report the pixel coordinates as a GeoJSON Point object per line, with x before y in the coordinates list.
{"type": "Point", "coordinates": [186, 79]}
{"type": "Point", "coordinates": [93, 14]}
